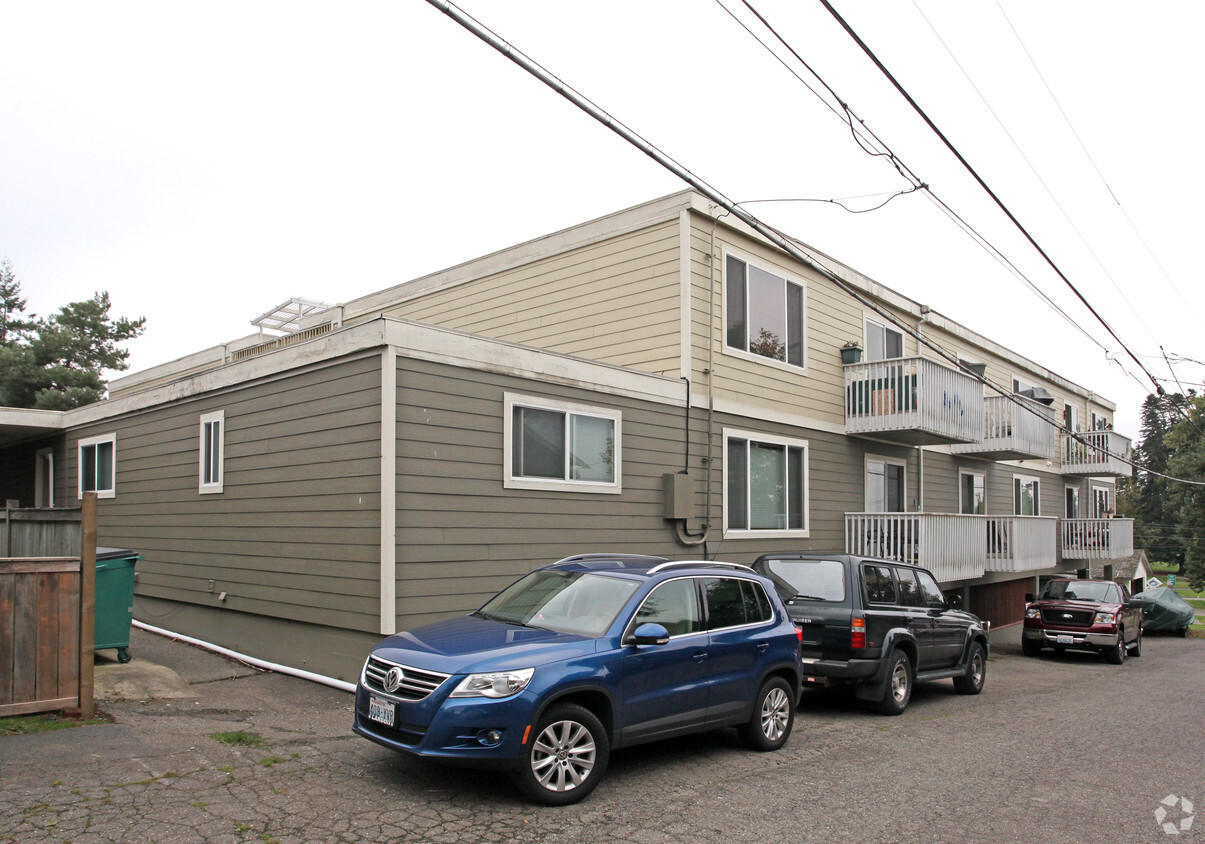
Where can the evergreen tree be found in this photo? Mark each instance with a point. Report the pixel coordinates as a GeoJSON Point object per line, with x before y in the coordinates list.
{"type": "Point", "coordinates": [1186, 443]}
{"type": "Point", "coordinates": [57, 363]}
{"type": "Point", "coordinates": [1147, 496]}
{"type": "Point", "coordinates": [13, 327]}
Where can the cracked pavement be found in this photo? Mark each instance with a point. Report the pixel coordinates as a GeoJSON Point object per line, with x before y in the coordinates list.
{"type": "Point", "coordinates": [1056, 749]}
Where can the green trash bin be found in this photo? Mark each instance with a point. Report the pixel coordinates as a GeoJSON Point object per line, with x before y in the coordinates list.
{"type": "Point", "coordinates": [114, 600]}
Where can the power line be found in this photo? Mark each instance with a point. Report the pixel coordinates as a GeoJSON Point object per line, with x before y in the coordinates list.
{"type": "Point", "coordinates": [779, 239]}
{"type": "Point", "coordinates": [847, 115]}
{"type": "Point", "coordinates": [1091, 160]}
{"type": "Point", "coordinates": [1033, 169]}
{"type": "Point", "coordinates": [999, 203]}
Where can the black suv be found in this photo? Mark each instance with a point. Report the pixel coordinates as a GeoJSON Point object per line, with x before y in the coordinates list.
{"type": "Point", "coordinates": [879, 624]}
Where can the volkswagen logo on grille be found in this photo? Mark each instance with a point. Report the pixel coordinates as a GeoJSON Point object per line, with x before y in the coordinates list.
{"type": "Point", "coordinates": [393, 679]}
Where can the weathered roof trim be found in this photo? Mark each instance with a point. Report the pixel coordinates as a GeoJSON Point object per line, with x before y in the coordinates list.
{"type": "Point", "coordinates": [411, 339]}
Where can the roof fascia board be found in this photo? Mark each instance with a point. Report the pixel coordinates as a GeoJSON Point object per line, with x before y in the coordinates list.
{"type": "Point", "coordinates": [50, 420]}
{"type": "Point", "coordinates": [422, 341]}
{"type": "Point", "coordinates": [411, 339]}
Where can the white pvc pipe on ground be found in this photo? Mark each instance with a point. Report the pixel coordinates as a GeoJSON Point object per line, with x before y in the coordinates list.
{"type": "Point", "coordinates": [250, 660]}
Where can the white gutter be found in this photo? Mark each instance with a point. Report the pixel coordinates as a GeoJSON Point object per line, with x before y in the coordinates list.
{"type": "Point", "coordinates": [250, 660]}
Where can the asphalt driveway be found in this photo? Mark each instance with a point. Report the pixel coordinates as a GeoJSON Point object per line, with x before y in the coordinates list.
{"type": "Point", "coordinates": [1055, 749]}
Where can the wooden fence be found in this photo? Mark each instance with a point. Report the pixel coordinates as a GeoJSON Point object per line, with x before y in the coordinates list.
{"type": "Point", "coordinates": [47, 609]}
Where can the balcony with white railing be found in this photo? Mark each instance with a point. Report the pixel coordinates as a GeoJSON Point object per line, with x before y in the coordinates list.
{"type": "Point", "coordinates": [1021, 543]}
{"type": "Point", "coordinates": [953, 547]}
{"type": "Point", "coordinates": [1097, 539]}
{"type": "Point", "coordinates": [914, 401]}
{"type": "Point", "coordinates": [1014, 428]}
{"type": "Point", "coordinates": [1091, 453]}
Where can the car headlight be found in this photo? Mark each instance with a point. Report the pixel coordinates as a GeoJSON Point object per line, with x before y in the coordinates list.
{"type": "Point", "coordinates": [1033, 612]}
{"type": "Point", "coordinates": [1105, 618]}
{"type": "Point", "coordinates": [495, 684]}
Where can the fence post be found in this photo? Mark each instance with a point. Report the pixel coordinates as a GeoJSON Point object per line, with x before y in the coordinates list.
{"type": "Point", "coordinates": [87, 630]}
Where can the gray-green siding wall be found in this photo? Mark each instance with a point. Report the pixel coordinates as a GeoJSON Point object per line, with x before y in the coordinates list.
{"type": "Point", "coordinates": [293, 540]}
{"type": "Point", "coordinates": [294, 535]}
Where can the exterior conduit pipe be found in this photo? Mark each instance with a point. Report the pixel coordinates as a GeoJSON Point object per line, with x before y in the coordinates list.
{"type": "Point", "coordinates": [341, 685]}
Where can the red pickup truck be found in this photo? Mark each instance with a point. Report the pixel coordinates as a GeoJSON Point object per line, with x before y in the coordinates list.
{"type": "Point", "coordinates": [1093, 615]}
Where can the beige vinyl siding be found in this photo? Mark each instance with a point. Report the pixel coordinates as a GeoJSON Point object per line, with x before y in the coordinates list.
{"type": "Point", "coordinates": [832, 318]}
{"type": "Point", "coordinates": [615, 301]}
{"type": "Point", "coordinates": [462, 536]}
{"type": "Point", "coordinates": [295, 533]}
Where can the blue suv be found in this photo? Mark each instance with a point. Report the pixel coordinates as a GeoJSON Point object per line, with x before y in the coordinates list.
{"type": "Point", "coordinates": [590, 654]}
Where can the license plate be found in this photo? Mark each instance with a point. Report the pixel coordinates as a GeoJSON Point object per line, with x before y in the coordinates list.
{"type": "Point", "coordinates": [1064, 640]}
{"type": "Point", "coordinates": [381, 710]}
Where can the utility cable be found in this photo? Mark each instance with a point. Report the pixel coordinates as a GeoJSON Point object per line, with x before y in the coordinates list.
{"type": "Point", "coordinates": [999, 203]}
{"type": "Point", "coordinates": [1033, 169]}
{"type": "Point", "coordinates": [1092, 161]}
{"type": "Point", "coordinates": [847, 116]}
{"type": "Point", "coordinates": [779, 239]}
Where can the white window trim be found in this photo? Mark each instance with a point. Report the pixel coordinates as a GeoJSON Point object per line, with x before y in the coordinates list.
{"type": "Point", "coordinates": [743, 533]}
{"type": "Point", "coordinates": [1037, 499]}
{"type": "Point", "coordinates": [219, 485]}
{"type": "Point", "coordinates": [1076, 422]}
{"type": "Point", "coordinates": [894, 461]}
{"type": "Point", "coordinates": [750, 356]}
{"type": "Point", "coordinates": [509, 481]}
{"type": "Point", "coordinates": [44, 478]}
{"type": "Point", "coordinates": [1021, 385]}
{"type": "Point", "coordinates": [974, 474]}
{"type": "Point", "coordinates": [868, 321]}
{"type": "Point", "coordinates": [79, 464]}
{"type": "Point", "coordinates": [1110, 499]}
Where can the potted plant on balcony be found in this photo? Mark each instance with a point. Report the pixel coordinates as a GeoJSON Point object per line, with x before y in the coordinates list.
{"type": "Point", "coordinates": [851, 352]}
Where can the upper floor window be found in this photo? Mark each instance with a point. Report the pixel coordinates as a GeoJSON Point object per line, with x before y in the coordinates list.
{"type": "Point", "coordinates": [766, 488]}
{"type": "Point", "coordinates": [1101, 423]}
{"type": "Point", "coordinates": [213, 433]}
{"type": "Point", "coordinates": [559, 445]}
{"type": "Point", "coordinates": [882, 342]}
{"type": "Point", "coordinates": [1071, 417]}
{"type": "Point", "coordinates": [764, 313]}
{"type": "Point", "coordinates": [98, 465]}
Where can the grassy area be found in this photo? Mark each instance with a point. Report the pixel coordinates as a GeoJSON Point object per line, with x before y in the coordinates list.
{"type": "Point", "coordinates": [21, 725]}
{"type": "Point", "coordinates": [240, 738]}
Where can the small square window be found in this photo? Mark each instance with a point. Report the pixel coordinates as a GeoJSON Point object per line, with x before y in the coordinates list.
{"type": "Point", "coordinates": [559, 445]}
{"type": "Point", "coordinates": [98, 466]}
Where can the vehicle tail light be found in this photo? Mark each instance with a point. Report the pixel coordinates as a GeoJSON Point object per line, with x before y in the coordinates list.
{"type": "Point", "coordinates": [857, 633]}
{"type": "Point", "coordinates": [799, 633]}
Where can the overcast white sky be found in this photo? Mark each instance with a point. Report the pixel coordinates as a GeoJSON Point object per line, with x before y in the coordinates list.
{"type": "Point", "coordinates": [205, 162]}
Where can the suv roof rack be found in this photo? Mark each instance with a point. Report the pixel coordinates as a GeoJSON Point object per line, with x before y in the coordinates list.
{"type": "Point", "coordinates": [699, 564]}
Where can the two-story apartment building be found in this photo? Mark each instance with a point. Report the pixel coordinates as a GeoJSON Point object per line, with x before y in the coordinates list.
{"type": "Point", "coordinates": [661, 380]}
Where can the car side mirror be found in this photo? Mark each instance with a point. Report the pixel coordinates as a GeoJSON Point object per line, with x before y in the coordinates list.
{"type": "Point", "coordinates": [1134, 604]}
{"type": "Point", "coordinates": [954, 602]}
{"type": "Point", "coordinates": [648, 633]}
{"type": "Point", "coordinates": [1029, 597]}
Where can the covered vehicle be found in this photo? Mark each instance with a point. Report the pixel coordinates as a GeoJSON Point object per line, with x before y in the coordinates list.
{"type": "Point", "coordinates": [1166, 610]}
